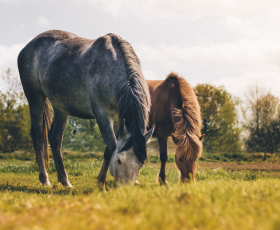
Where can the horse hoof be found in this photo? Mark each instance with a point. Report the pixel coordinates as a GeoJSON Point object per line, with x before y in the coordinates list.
{"type": "Point", "coordinates": [44, 180]}
{"type": "Point", "coordinates": [67, 185]}
{"type": "Point", "coordinates": [47, 183]}
{"type": "Point", "coordinates": [65, 182]}
{"type": "Point", "coordinates": [160, 181]}
{"type": "Point", "coordinates": [101, 187]}
{"type": "Point", "coordinates": [165, 183]}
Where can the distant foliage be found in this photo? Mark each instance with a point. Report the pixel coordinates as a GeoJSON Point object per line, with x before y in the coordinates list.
{"type": "Point", "coordinates": [219, 119]}
{"type": "Point", "coordinates": [14, 116]}
{"type": "Point", "coordinates": [262, 117]}
{"type": "Point", "coordinates": [260, 130]}
{"type": "Point", "coordinates": [83, 135]}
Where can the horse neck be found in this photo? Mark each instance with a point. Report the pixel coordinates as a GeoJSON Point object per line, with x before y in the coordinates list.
{"type": "Point", "coordinates": [165, 98]}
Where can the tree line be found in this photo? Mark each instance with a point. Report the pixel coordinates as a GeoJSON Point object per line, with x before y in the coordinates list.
{"type": "Point", "coordinates": [230, 125]}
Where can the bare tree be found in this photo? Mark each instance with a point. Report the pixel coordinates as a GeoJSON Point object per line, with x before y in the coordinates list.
{"type": "Point", "coordinates": [262, 118]}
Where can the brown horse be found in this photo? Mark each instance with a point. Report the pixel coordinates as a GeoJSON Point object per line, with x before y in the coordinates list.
{"type": "Point", "coordinates": [175, 112]}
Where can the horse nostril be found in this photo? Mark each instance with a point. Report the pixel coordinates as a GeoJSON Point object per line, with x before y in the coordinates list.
{"type": "Point", "coordinates": [119, 161]}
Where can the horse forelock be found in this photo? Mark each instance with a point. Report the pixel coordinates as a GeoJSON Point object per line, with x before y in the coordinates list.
{"type": "Point", "coordinates": [187, 123]}
{"type": "Point", "coordinates": [133, 99]}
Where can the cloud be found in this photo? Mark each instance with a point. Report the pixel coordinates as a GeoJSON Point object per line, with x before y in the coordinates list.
{"type": "Point", "coordinates": [8, 56]}
{"type": "Point", "coordinates": [10, 1]}
{"type": "Point", "coordinates": [15, 1]}
{"type": "Point", "coordinates": [238, 85]}
{"type": "Point", "coordinates": [242, 55]}
{"type": "Point", "coordinates": [42, 22]}
{"type": "Point", "coordinates": [166, 56]}
{"type": "Point", "coordinates": [8, 59]}
{"type": "Point", "coordinates": [249, 50]}
{"type": "Point", "coordinates": [149, 75]}
{"type": "Point", "coordinates": [193, 10]}
{"type": "Point", "coordinates": [243, 61]}
{"type": "Point", "coordinates": [117, 7]}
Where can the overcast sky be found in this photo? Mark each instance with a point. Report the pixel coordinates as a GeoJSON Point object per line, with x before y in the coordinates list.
{"type": "Point", "coordinates": [222, 42]}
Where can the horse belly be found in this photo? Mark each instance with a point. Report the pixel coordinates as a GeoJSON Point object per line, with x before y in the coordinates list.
{"type": "Point", "coordinates": [70, 98]}
{"type": "Point", "coordinates": [81, 108]}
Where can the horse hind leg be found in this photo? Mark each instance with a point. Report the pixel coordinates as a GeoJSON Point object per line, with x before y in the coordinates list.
{"type": "Point", "coordinates": [36, 106]}
{"type": "Point", "coordinates": [59, 125]}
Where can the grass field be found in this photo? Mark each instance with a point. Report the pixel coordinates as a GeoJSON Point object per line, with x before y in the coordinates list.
{"type": "Point", "coordinates": [222, 199]}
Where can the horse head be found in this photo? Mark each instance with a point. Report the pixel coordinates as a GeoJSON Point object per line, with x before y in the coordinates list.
{"type": "Point", "coordinates": [185, 165]}
{"type": "Point", "coordinates": [125, 164]}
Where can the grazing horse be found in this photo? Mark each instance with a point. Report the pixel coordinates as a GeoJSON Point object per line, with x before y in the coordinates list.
{"type": "Point", "coordinates": [85, 78]}
{"type": "Point", "coordinates": [175, 112]}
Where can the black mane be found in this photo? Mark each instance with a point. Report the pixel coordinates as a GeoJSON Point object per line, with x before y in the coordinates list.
{"type": "Point", "coordinates": [133, 100]}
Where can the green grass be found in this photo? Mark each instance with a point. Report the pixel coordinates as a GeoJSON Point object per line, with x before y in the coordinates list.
{"type": "Point", "coordinates": [220, 200]}
{"type": "Point", "coordinates": [239, 157]}
{"type": "Point", "coordinates": [153, 156]}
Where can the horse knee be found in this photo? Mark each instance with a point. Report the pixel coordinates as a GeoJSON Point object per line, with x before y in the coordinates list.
{"type": "Point", "coordinates": [109, 152]}
{"type": "Point", "coordinates": [54, 139]}
{"type": "Point", "coordinates": [34, 132]}
{"type": "Point", "coordinates": [163, 157]}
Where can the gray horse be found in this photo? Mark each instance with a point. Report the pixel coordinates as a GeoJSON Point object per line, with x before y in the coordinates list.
{"type": "Point", "coordinates": [85, 78]}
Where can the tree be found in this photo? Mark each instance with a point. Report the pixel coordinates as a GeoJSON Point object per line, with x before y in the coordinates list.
{"type": "Point", "coordinates": [262, 121]}
{"type": "Point", "coordinates": [219, 119]}
{"type": "Point", "coordinates": [14, 116]}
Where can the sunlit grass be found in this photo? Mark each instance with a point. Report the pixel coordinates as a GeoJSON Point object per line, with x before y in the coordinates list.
{"type": "Point", "coordinates": [220, 200]}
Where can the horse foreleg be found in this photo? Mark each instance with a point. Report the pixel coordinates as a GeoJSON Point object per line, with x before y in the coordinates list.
{"type": "Point", "coordinates": [162, 141]}
{"type": "Point", "coordinates": [102, 176]}
{"type": "Point", "coordinates": [59, 124]}
{"type": "Point", "coordinates": [106, 128]}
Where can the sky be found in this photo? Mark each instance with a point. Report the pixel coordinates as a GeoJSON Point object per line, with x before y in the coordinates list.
{"type": "Point", "coordinates": [224, 43]}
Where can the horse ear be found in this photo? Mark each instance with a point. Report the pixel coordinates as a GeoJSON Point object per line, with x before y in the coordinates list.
{"type": "Point", "coordinates": [149, 133]}
{"type": "Point", "coordinates": [201, 137]}
{"type": "Point", "coordinates": [124, 131]}
{"type": "Point", "coordinates": [174, 139]}
{"type": "Point", "coordinates": [127, 145]}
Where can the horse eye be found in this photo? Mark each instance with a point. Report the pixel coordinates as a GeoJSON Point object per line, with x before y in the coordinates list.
{"type": "Point", "coordinates": [119, 161]}
{"type": "Point", "coordinates": [180, 159]}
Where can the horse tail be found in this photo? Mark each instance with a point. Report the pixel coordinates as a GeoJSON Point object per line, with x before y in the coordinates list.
{"type": "Point", "coordinates": [47, 121]}
{"type": "Point", "coordinates": [187, 125]}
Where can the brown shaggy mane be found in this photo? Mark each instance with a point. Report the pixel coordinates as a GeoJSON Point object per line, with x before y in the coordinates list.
{"type": "Point", "coordinates": [187, 122]}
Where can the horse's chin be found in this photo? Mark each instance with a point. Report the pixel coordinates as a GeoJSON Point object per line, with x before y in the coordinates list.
{"type": "Point", "coordinates": [187, 180]}
{"type": "Point", "coordinates": [127, 179]}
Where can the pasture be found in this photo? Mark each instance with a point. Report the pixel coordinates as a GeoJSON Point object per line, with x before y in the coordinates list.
{"type": "Point", "coordinates": [222, 199]}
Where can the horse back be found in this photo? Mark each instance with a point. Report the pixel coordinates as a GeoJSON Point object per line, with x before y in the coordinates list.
{"type": "Point", "coordinates": [73, 72]}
